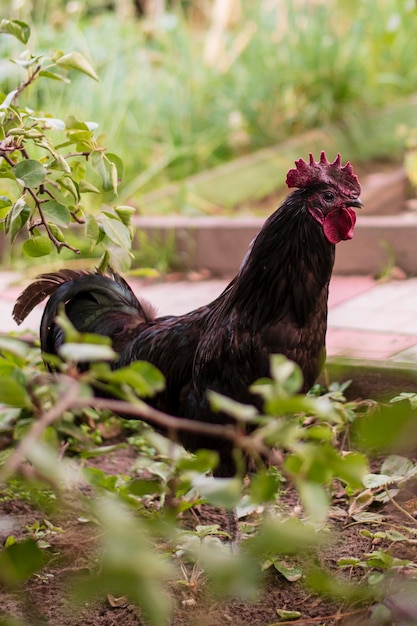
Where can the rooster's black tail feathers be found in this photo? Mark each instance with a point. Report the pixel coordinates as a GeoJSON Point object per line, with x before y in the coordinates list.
{"type": "Point", "coordinates": [94, 303]}
{"type": "Point", "coordinates": [41, 288]}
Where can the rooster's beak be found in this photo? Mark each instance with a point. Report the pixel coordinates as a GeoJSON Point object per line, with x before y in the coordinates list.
{"type": "Point", "coordinates": [356, 203]}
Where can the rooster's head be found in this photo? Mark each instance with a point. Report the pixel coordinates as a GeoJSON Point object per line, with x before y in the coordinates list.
{"type": "Point", "coordinates": [333, 191]}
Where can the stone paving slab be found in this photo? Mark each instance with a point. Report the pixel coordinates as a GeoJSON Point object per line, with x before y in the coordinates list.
{"type": "Point", "coordinates": [367, 320]}
{"type": "Point", "coordinates": [343, 342]}
{"type": "Point", "coordinates": [387, 307]}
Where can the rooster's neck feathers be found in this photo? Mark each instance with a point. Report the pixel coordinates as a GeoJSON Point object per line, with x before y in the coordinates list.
{"type": "Point", "coordinates": [286, 269]}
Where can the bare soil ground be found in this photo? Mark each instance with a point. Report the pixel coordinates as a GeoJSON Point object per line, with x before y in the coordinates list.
{"type": "Point", "coordinates": [45, 599]}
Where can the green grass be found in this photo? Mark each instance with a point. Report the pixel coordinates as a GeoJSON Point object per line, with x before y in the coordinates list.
{"type": "Point", "coordinates": [169, 115]}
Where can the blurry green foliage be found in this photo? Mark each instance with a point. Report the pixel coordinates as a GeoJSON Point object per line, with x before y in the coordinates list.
{"type": "Point", "coordinates": [44, 168]}
{"type": "Point", "coordinates": [281, 68]}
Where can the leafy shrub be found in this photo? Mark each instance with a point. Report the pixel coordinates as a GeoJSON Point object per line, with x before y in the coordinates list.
{"type": "Point", "coordinates": [45, 167]}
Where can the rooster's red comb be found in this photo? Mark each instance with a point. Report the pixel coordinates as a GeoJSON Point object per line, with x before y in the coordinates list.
{"type": "Point", "coordinates": [306, 174]}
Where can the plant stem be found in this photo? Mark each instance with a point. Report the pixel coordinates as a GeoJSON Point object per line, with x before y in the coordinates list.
{"type": "Point", "coordinates": [64, 402]}
{"type": "Point", "coordinates": [399, 507]}
{"type": "Point", "coordinates": [26, 83]}
{"type": "Point", "coordinates": [58, 244]}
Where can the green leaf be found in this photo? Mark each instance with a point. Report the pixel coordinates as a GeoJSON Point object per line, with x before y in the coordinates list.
{"type": "Point", "coordinates": [59, 162]}
{"type": "Point", "coordinates": [398, 466]}
{"type": "Point", "coordinates": [264, 486]}
{"type": "Point", "coordinates": [7, 101]}
{"type": "Point", "coordinates": [76, 61]}
{"type": "Point", "coordinates": [56, 212]}
{"type": "Point", "coordinates": [116, 231]}
{"type": "Point", "coordinates": [118, 163]}
{"type": "Point", "coordinates": [386, 428]}
{"type": "Point", "coordinates": [203, 461]}
{"type": "Point", "coordinates": [18, 29]}
{"type": "Point", "coordinates": [54, 76]}
{"type": "Point", "coordinates": [382, 559]}
{"type": "Point", "coordinates": [106, 170]}
{"type": "Point", "coordinates": [282, 404]}
{"type": "Point", "coordinates": [37, 246]}
{"type": "Point", "coordinates": [348, 562]}
{"type": "Point", "coordinates": [319, 432]}
{"type": "Point", "coordinates": [73, 123]}
{"type": "Point", "coordinates": [19, 561]}
{"type": "Point", "coordinates": [350, 468]}
{"type": "Point", "coordinates": [288, 615]}
{"type": "Point", "coordinates": [26, 59]}
{"type": "Point", "coordinates": [113, 176]}
{"type": "Point", "coordinates": [7, 367]}
{"type": "Point", "coordinates": [102, 450]}
{"type": "Point", "coordinates": [143, 377]}
{"type": "Point", "coordinates": [16, 218]}
{"type": "Point", "coordinates": [14, 346]}
{"type": "Point", "coordinates": [222, 492]}
{"type": "Point", "coordinates": [141, 487]}
{"type": "Point", "coordinates": [375, 481]}
{"type": "Point", "coordinates": [30, 173]}
{"type": "Point", "coordinates": [241, 412]}
{"type": "Point", "coordinates": [50, 122]}
{"type": "Point", "coordinates": [5, 204]}
{"type": "Point", "coordinates": [125, 213]}
{"type": "Point", "coordinates": [86, 187]}
{"type": "Point", "coordinates": [71, 333]}
{"type": "Point", "coordinates": [286, 373]}
{"type": "Point", "coordinates": [92, 231]}
{"type": "Point", "coordinates": [98, 478]}
{"type": "Point", "coordinates": [6, 171]}
{"type": "Point", "coordinates": [292, 574]}
{"type": "Point", "coordinates": [13, 394]}
{"type": "Point", "coordinates": [291, 536]}
{"type": "Point", "coordinates": [67, 183]}
{"type": "Point", "coordinates": [85, 352]}
{"type": "Point", "coordinates": [56, 232]}
{"type": "Point", "coordinates": [315, 499]}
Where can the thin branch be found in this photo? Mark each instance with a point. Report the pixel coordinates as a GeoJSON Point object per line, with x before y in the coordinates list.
{"type": "Point", "coordinates": [172, 424]}
{"type": "Point", "coordinates": [322, 619]}
{"type": "Point", "coordinates": [48, 192]}
{"type": "Point", "coordinates": [7, 158]}
{"type": "Point", "coordinates": [26, 83]}
{"type": "Point", "coordinates": [24, 152]}
{"type": "Point", "coordinates": [399, 507]}
{"type": "Point", "coordinates": [79, 220]}
{"type": "Point", "coordinates": [85, 154]}
{"type": "Point", "coordinates": [64, 403]}
{"type": "Point", "coordinates": [58, 244]}
{"type": "Point", "coordinates": [38, 202]}
{"type": "Point", "coordinates": [71, 400]}
{"type": "Point", "coordinates": [168, 422]}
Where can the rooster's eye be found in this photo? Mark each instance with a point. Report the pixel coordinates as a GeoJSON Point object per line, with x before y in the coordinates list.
{"type": "Point", "coordinates": [328, 196]}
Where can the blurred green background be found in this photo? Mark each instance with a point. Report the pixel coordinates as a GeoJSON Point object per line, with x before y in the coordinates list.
{"type": "Point", "coordinates": [185, 86]}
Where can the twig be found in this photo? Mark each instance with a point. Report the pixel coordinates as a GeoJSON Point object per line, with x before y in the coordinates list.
{"type": "Point", "coordinates": [38, 203]}
{"type": "Point", "coordinates": [64, 403]}
{"type": "Point", "coordinates": [71, 400]}
{"type": "Point", "coordinates": [85, 154]}
{"type": "Point", "coordinates": [58, 244]}
{"type": "Point", "coordinates": [399, 507]}
{"type": "Point", "coordinates": [7, 158]}
{"type": "Point", "coordinates": [147, 413]}
{"type": "Point", "coordinates": [24, 152]}
{"type": "Point", "coordinates": [26, 83]}
{"type": "Point", "coordinates": [323, 618]}
{"type": "Point", "coordinates": [79, 220]}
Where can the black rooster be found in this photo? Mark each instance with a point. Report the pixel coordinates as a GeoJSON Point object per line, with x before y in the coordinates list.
{"type": "Point", "coordinates": [277, 303]}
